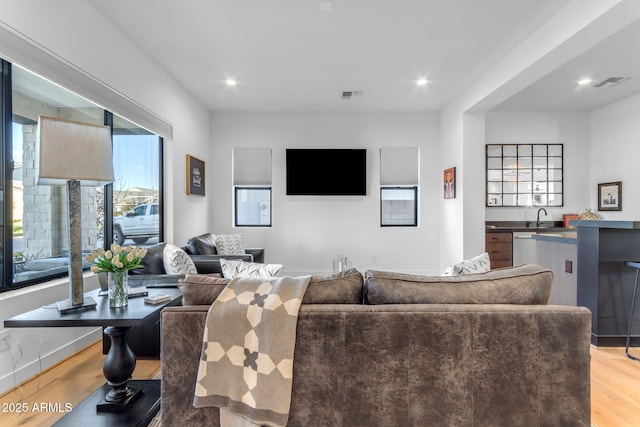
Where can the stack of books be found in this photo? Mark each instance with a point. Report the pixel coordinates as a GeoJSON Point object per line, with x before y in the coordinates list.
{"type": "Point", "coordinates": [157, 299]}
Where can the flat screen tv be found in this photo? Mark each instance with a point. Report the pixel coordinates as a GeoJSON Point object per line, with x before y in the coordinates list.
{"type": "Point", "coordinates": [326, 172]}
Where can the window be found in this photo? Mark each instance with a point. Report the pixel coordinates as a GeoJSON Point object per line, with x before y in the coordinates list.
{"type": "Point", "coordinates": [524, 175]}
{"type": "Point", "coordinates": [253, 206]}
{"type": "Point", "coordinates": [252, 187]}
{"type": "Point", "coordinates": [35, 247]}
{"type": "Point", "coordinates": [399, 177]}
{"type": "Point", "coordinates": [398, 206]}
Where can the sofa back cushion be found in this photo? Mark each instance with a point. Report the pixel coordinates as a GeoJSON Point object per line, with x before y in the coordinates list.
{"type": "Point", "coordinates": [204, 244]}
{"type": "Point", "coordinates": [523, 284]}
{"type": "Point", "coordinates": [199, 289]}
{"type": "Point", "coordinates": [339, 288]}
{"type": "Point", "coordinates": [152, 262]}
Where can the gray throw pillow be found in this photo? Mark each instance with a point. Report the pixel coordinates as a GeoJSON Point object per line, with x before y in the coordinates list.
{"type": "Point", "coordinates": [338, 288]}
{"type": "Point", "coordinates": [198, 289]}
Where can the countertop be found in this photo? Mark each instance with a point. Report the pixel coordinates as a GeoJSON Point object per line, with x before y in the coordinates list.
{"type": "Point", "coordinates": [524, 226]}
{"type": "Point", "coordinates": [570, 237]}
{"type": "Point", "coordinates": [599, 223]}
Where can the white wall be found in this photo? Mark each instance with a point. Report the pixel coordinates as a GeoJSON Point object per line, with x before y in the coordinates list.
{"type": "Point", "coordinates": [570, 129]}
{"type": "Point", "coordinates": [70, 42]}
{"type": "Point", "coordinates": [308, 231]}
{"type": "Point", "coordinates": [615, 136]}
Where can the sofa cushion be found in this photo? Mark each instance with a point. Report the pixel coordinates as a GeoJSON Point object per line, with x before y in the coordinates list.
{"type": "Point", "coordinates": [524, 284]}
{"type": "Point", "coordinates": [339, 288]}
{"type": "Point", "coordinates": [152, 262]}
{"type": "Point", "coordinates": [477, 264]}
{"type": "Point", "coordinates": [204, 244]}
{"type": "Point", "coordinates": [198, 289]}
{"type": "Point", "coordinates": [232, 269]}
{"type": "Point", "coordinates": [229, 244]}
{"type": "Point", "coordinates": [176, 261]}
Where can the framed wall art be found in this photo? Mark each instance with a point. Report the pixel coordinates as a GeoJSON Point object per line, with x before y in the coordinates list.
{"type": "Point", "coordinates": [195, 176]}
{"type": "Point", "coordinates": [610, 196]}
{"type": "Point", "coordinates": [450, 183]}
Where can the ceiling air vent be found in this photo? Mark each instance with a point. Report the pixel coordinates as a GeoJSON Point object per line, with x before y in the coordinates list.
{"type": "Point", "coordinates": [350, 94]}
{"type": "Point", "coordinates": [611, 81]}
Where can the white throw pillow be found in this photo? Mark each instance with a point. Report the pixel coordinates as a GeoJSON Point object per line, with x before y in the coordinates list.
{"type": "Point", "coordinates": [229, 244]}
{"type": "Point", "coordinates": [478, 264]}
{"type": "Point", "coordinates": [176, 261]}
{"type": "Point", "coordinates": [232, 269]}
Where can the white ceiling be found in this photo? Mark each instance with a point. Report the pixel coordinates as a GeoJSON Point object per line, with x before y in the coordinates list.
{"type": "Point", "coordinates": [288, 55]}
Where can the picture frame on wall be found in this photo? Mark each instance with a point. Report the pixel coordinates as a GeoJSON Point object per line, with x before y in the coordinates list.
{"type": "Point", "coordinates": [610, 196]}
{"type": "Point", "coordinates": [450, 183]}
{"type": "Point", "coordinates": [195, 176]}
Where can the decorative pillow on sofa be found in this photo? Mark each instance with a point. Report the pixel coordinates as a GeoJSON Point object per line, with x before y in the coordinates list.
{"type": "Point", "coordinates": [152, 262]}
{"type": "Point", "coordinates": [176, 261]}
{"type": "Point", "coordinates": [198, 289]}
{"type": "Point", "coordinates": [232, 269]}
{"type": "Point", "coordinates": [339, 288]}
{"type": "Point", "coordinates": [230, 244]}
{"type": "Point", "coordinates": [478, 264]}
{"type": "Point", "coordinates": [523, 284]}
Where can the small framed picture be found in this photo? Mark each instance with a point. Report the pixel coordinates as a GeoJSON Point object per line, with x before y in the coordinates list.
{"type": "Point", "coordinates": [195, 176]}
{"type": "Point", "coordinates": [610, 196]}
{"type": "Point", "coordinates": [450, 183]}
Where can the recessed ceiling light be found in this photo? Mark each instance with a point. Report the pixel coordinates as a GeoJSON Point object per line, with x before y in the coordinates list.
{"type": "Point", "coordinates": [230, 82]}
{"type": "Point", "coordinates": [326, 6]}
{"type": "Point", "coordinates": [421, 82]}
{"type": "Point", "coordinates": [585, 81]}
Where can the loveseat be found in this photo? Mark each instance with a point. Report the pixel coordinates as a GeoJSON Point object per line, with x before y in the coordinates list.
{"type": "Point", "coordinates": [391, 349]}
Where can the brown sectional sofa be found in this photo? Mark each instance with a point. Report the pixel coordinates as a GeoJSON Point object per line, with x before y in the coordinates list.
{"type": "Point", "coordinates": [401, 350]}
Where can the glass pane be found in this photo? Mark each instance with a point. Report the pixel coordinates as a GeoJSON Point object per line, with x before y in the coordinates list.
{"type": "Point", "coordinates": [510, 150]}
{"type": "Point", "coordinates": [539, 187]}
{"type": "Point", "coordinates": [540, 200]}
{"type": "Point", "coordinates": [524, 150]}
{"type": "Point", "coordinates": [510, 187]}
{"type": "Point", "coordinates": [540, 162]}
{"type": "Point", "coordinates": [136, 190]}
{"type": "Point", "coordinates": [524, 200]}
{"type": "Point", "coordinates": [253, 207]}
{"type": "Point", "coordinates": [509, 175]}
{"type": "Point", "coordinates": [540, 150]}
{"type": "Point", "coordinates": [494, 175]}
{"type": "Point", "coordinates": [524, 163]}
{"type": "Point", "coordinates": [494, 187]}
{"type": "Point", "coordinates": [524, 175]}
{"type": "Point", "coordinates": [494, 150]}
{"type": "Point", "coordinates": [494, 163]}
{"type": "Point", "coordinates": [40, 220]}
{"type": "Point", "coordinates": [540, 174]}
{"type": "Point", "coordinates": [555, 162]}
{"type": "Point", "coordinates": [510, 162]}
{"type": "Point", "coordinates": [555, 174]}
{"type": "Point", "coordinates": [555, 187]}
{"type": "Point", "coordinates": [509, 200]}
{"type": "Point", "coordinates": [555, 199]}
{"type": "Point", "coordinates": [524, 187]}
{"type": "Point", "coordinates": [555, 150]}
{"type": "Point", "coordinates": [494, 200]}
{"type": "Point", "coordinates": [398, 206]}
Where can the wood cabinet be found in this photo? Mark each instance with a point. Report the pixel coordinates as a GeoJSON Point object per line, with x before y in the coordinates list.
{"type": "Point", "coordinates": [500, 248]}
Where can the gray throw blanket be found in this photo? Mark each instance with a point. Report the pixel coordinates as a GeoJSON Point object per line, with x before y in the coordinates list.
{"type": "Point", "coordinates": [246, 365]}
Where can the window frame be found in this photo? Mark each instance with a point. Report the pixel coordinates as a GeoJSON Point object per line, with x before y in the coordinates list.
{"type": "Point", "coordinates": [415, 204]}
{"type": "Point", "coordinates": [236, 189]}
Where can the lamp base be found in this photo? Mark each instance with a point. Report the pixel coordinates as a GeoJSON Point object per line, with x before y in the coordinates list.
{"type": "Point", "coordinates": [66, 306]}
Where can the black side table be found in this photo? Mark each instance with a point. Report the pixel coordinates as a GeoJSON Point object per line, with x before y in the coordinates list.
{"type": "Point", "coordinates": [121, 400]}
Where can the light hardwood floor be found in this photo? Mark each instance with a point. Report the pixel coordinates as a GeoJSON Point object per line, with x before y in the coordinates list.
{"type": "Point", "coordinates": [615, 387]}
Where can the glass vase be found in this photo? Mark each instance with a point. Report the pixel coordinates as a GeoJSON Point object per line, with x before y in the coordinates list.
{"type": "Point", "coordinates": [118, 289]}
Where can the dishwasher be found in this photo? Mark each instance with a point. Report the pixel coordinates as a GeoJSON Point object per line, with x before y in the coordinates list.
{"type": "Point", "coordinates": [524, 248]}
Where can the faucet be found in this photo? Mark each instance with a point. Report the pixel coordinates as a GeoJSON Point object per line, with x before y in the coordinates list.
{"type": "Point", "coordinates": [538, 216]}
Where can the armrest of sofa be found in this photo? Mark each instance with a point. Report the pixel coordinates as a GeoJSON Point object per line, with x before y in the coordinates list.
{"type": "Point", "coordinates": [258, 254]}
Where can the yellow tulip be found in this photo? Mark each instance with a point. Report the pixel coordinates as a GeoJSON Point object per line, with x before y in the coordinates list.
{"type": "Point", "coordinates": [95, 268]}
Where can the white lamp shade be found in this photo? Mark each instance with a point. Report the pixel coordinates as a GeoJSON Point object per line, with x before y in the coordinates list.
{"type": "Point", "coordinates": [68, 150]}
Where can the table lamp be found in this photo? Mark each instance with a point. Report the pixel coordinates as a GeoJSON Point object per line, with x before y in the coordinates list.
{"type": "Point", "coordinates": [74, 154]}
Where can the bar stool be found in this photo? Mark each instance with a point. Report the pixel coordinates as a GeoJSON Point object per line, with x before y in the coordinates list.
{"type": "Point", "coordinates": [635, 265]}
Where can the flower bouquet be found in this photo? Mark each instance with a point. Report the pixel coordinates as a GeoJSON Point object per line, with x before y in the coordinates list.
{"type": "Point", "coordinates": [116, 262]}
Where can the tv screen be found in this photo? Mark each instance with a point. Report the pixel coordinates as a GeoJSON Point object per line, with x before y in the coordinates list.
{"type": "Point", "coordinates": [326, 172]}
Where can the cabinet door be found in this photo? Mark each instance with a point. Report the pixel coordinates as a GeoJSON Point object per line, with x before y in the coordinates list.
{"type": "Point", "coordinates": [500, 249]}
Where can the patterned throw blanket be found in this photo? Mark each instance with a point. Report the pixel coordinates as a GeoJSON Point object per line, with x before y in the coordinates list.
{"type": "Point", "coordinates": [246, 365]}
